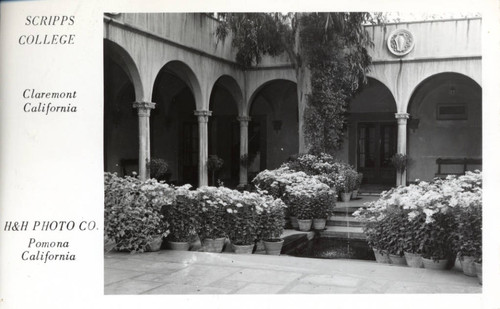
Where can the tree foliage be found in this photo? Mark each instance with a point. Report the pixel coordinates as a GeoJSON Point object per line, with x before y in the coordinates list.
{"type": "Point", "coordinates": [331, 45]}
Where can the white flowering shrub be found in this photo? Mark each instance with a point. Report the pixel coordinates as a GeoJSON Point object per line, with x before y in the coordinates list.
{"type": "Point", "coordinates": [441, 216]}
{"type": "Point", "coordinates": [133, 211]}
{"type": "Point", "coordinates": [304, 194]}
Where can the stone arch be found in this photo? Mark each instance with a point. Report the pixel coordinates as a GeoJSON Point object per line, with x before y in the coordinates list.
{"type": "Point", "coordinates": [225, 103]}
{"type": "Point", "coordinates": [371, 136]}
{"type": "Point", "coordinates": [174, 126]}
{"type": "Point", "coordinates": [187, 75]}
{"type": "Point", "coordinates": [274, 128]}
{"type": "Point", "coordinates": [445, 122]}
{"type": "Point", "coordinates": [118, 54]}
{"type": "Point", "coordinates": [232, 86]}
{"type": "Point", "coordinates": [256, 92]}
{"type": "Point", "coordinates": [441, 75]}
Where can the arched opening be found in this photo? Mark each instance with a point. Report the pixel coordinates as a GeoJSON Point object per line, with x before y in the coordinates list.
{"type": "Point", "coordinates": [372, 134]}
{"type": "Point", "coordinates": [445, 122]}
{"type": "Point", "coordinates": [273, 131]}
{"type": "Point", "coordinates": [174, 127]}
{"type": "Point", "coordinates": [120, 118]}
{"type": "Point", "coordinates": [224, 130]}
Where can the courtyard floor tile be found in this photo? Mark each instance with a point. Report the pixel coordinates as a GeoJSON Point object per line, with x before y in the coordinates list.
{"type": "Point", "coordinates": [188, 272]}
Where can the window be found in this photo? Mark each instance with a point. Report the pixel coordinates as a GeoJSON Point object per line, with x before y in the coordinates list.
{"type": "Point", "coordinates": [451, 112]}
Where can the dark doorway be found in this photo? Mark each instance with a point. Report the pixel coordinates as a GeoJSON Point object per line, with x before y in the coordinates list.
{"type": "Point", "coordinates": [376, 146]}
{"type": "Point", "coordinates": [189, 155]}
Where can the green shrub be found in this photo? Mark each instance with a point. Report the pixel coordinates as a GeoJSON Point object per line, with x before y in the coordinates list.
{"type": "Point", "coordinates": [271, 218]}
{"type": "Point", "coordinates": [183, 215]}
{"type": "Point", "coordinates": [158, 168]}
{"type": "Point", "coordinates": [212, 207]}
{"type": "Point", "coordinates": [132, 211]}
{"type": "Point", "coordinates": [438, 218]}
{"type": "Point", "coordinates": [468, 233]}
{"type": "Point", "coordinates": [241, 222]}
{"type": "Point", "coordinates": [323, 204]}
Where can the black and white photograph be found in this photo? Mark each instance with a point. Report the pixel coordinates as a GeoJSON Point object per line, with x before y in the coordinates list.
{"type": "Point", "coordinates": [292, 153]}
{"type": "Point", "coordinates": [264, 154]}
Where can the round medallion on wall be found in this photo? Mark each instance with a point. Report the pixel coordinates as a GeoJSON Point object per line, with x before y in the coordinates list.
{"type": "Point", "coordinates": [400, 42]}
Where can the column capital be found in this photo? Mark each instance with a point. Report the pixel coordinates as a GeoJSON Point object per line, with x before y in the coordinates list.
{"type": "Point", "coordinates": [144, 108]}
{"type": "Point", "coordinates": [244, 120]}
{"type": "Point", "coordinates": [203, 115]}
{"type": "Point", "coordinates": [402, 117]}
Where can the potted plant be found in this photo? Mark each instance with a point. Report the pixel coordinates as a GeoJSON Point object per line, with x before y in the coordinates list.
{"type": "Point", "coordinates": [241, 222]}
{"type": "Point", "coordinates": [373, 216]}
{"type": "Point", "coordinates": [158, 169]}
{"type": "Point", "coordinates": [348, 184]}
{"type": "Point", "coordinates": [437, 243]}
{"type": "Point", "coordinates": [400, 162]}
{"type": "Point", "coordinates": [375, 237]}
{"type": "Point", "coordinates": [359, 180]}
{"type": "Point", "coordinates": [211, 227]}
{"type": "Point", "coordinates": [214, 163]}
{"type": "Point", "coordinates": [413, 240]}
{"type": "Point", "coordinates": [182, 218]}
{"type": "Point", "coordinates": [271, 222]}
{"type": "Point", "coordinates": [133, 217]}
{"type": "Point", "coordinates": [323, 205]}
{"type": "Point", "coordinates": [468, 237]}
{"type": "Point", "coordinates": [394, 225]}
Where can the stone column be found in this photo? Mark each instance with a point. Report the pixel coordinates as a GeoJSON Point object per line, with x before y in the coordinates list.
{"type": "Point", "coordinates": [203, 146]}
{"type": "Point", "coordinates": [143, 112]}
{"type": "Point", "coordinates": [243, 148]}
{"type": "Point", "coordinates": [402, 119]}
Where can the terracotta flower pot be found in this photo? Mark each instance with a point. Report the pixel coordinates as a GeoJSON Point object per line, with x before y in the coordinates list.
{"type": "Point", "coordinates": [354, 194]}
{"type": "Point", "coordinates": [179, 246]}
{"type": "Point", "coordinates": [242, 249]}
{"type": "Point", "coordinates": [397, 260]}
{"type": "Point", "coordinates": [436, 265]}
{"type": "Point", "coordinates": [468, 267]}
{"type": "Point", "coordinates": [305, 225]}
{"type": "Point", "coordinates": [345, 196]}
{"type": "Point", "coordinates": [294, 222]}
{"type": "Point", "coordinates": [381, 256]}
{"type": "Point", "coordinates": [213, 245]}
{"type": "Point", "coordinates": [109, 244]}
{"type": "Point", "coordinates": [319, 224]}
{"type": "Point", "coordinates": [155, 244]}
{"type": "Point", "coordinates": [414, 260]}
{"type": "Point", "coordinates": [479, 272]}
{"type": "Point", "coordinates": [273, 247]}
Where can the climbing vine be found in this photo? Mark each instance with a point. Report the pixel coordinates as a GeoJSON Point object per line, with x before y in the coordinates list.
{"type": "Point", "coordinates": [338, 60]}
{"type": "Point", "coordinates": [331, 46]}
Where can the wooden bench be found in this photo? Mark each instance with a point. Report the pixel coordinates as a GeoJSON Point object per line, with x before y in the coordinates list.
{"type": "Point", "coordinates": [456, 166]}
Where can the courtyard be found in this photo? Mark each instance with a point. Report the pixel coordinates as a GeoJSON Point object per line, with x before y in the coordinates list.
{"type": "Point", "coordinates": [216, 151]}
{"type": "Point", "coordinates": [176, 272]}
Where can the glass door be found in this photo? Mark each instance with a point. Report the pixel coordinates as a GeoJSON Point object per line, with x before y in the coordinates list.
{"type": "Point", "coordinates": [376, 146]}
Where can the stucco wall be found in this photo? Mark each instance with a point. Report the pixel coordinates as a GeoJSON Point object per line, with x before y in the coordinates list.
{"type": "Point", "coordinates": [444, 138]}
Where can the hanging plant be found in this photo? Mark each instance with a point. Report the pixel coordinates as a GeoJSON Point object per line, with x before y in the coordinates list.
{"type": "Point", "coordinates": [399, 161]}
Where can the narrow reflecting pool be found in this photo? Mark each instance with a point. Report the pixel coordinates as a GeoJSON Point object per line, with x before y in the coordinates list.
{"type": "Point", "coordinates": [334, 248]}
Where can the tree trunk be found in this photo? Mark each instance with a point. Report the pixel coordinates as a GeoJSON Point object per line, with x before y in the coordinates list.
{"type": "Point", "coordinates": [303, 74]}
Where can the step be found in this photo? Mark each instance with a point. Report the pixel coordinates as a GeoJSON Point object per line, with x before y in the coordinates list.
{"type": "Point", "coordinates": [352, 232]}
{"type": "Point", "coordinates": [295, 239]}
{"type": "Point", "coordinates": [338, 211]}
{"type": "Point", "coordinates": [343, 221]}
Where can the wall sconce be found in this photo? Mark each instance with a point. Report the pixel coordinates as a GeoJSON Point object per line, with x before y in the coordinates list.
{"type": "Point", "coordinates": [413, 124]}
{"type": "Point", "coordinates": [452, 90]}
{"type": "Point", "coordinates": [277, 126]}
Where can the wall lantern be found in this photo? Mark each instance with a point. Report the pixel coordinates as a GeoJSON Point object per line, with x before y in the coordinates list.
{"type": "Point", "coordinates": [413, 124]}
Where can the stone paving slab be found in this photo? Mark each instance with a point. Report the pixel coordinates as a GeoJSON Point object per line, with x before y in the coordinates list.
{"type": "Point", "coordinates": [188, 272]}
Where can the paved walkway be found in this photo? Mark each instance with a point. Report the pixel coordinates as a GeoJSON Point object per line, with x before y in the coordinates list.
{"type": "Point", "coordinates": [177, 272]}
